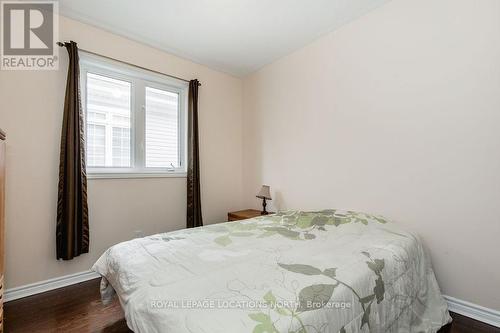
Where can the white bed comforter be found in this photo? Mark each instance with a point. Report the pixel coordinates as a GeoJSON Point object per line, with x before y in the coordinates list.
{"type": "Point", "coordinates": [326, 271]}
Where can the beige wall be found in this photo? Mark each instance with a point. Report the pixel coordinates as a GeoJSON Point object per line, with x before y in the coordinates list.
{"type": "Point", "coordinates": [396, 113]}
{"type": "Point", "coordinates": [31, 114]}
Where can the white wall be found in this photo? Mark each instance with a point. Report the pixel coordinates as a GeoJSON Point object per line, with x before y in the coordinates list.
{"type": "Point", "coordinates": [396, 113]}
{"type": "Point", "coordinates": [31, 114]}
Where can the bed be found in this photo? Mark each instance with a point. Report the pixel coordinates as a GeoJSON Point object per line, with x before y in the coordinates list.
{"type": "Point", "coordinates": [322, 271]}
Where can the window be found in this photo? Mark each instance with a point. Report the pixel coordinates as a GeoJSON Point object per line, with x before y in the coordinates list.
{"type": "Point", "coordinates": [134, 120]}
{"type": "Point", "coordinates": [108, 121]}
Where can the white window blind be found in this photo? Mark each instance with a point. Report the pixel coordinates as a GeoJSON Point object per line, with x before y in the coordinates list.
{"type": "Point", "coordinates": [161, 128]}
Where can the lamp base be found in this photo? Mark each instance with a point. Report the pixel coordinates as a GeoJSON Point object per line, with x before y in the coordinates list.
{"type": "Point", "coordinates": [264, 204]}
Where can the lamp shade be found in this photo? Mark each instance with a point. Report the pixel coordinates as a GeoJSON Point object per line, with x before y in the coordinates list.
{"type": "Point", "coordinates": [264, 193]}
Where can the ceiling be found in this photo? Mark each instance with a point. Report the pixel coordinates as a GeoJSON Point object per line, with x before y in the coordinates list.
{"type": "Point", "coordinates": [234, 36]}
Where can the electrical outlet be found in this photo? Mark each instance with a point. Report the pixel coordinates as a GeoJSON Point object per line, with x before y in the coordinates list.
{"type": "Point", "coordinates": [138, 234]}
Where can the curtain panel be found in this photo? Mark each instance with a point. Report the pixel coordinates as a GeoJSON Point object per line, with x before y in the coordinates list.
{"type": "Point", "coordinates": [194, 216]}
{"type": "Point", "coordinates": [72, 231]}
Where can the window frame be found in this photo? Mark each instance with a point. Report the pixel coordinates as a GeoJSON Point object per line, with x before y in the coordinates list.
{"type": "Point", "coordinates": [139, 79]}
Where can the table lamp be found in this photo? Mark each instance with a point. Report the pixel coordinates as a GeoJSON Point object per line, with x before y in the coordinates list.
{"type": "Point", "coordinates": [264, 194]}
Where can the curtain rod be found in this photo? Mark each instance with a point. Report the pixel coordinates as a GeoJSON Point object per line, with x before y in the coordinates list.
{"type": "Point", "coordinates": [61, 44]}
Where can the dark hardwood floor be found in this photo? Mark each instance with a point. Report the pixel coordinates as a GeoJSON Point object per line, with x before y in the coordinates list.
{"type": "Point", "coordinates": [78, 308]}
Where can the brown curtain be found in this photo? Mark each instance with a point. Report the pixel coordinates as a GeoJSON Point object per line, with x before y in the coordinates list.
{"type": "Point", "coordinates": [72, 210]}
{"type": "Point", "coordinates": [194, 217]}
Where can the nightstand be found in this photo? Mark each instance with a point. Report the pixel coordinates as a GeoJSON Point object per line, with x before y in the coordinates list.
{"type": "Point", "coordinates": [243, 214]}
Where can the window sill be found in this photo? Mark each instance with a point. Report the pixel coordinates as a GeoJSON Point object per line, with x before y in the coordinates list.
{"type": "Point", "coordinates": [135, 175]}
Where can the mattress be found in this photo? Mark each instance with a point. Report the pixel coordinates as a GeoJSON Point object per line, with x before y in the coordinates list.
{"type": "Point", "coordinates": [319, 271]}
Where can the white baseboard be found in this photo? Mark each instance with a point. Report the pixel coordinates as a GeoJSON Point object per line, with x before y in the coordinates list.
{"type": "Point", "coordinates": [464, 308]}
{"type": "Point", "coordinates": [474, 311]}
{"type": "Point", "coordinates": [51, 284]}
